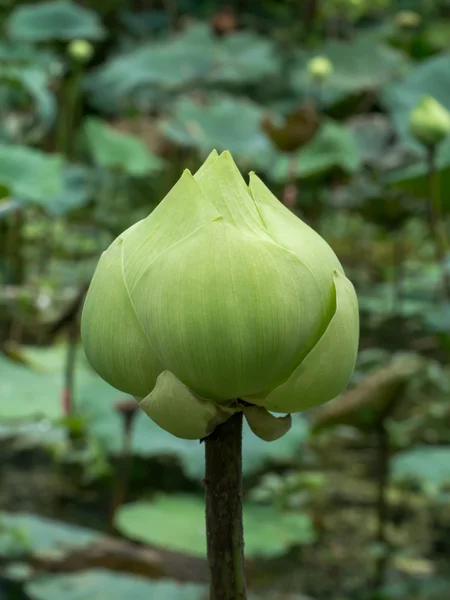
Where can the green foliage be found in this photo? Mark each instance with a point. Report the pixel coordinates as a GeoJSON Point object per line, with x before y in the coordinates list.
{"type": "Point", "coordinates": [59, 20]}
{"type": "Point", "coordinates": [177, 523]}
{"type": "Point", "coordinates": [115, 150]}
{"type": "Point", "coordinates": [30, 174]}
{"type": "Point", "coordinates": [98, 584]}
{"type": "Point", "coordinates": [428, 466]}
{"type": "Point", "coordinates": [39, 534]}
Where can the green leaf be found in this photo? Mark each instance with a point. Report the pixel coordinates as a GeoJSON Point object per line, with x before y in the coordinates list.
{"type": "Point", "coordinates": [244, 58]}
{"type": "Point", "coordinates": [225, 123]}
{"type": "Point", "coordinates": [153, 68]}
{"type": "Point", "coordinates": [116, 150]}
{"type": "Point", "coordinates": [425, 465]}
{"type": "Point", "coordinates": [333, 147]}
{"type": "Point", "coordinates": [429, 78]}
{"type": "Point", "coordinates": [56, 20]}
{"type": "Point", "coordinates": [99, 584]}
{"type": "Point", "coordinates": [78, 187]}
{"type": "Point", "coordinates": [178, 523]}
{"type": "Point", "coordinates": [37, 535]}
{"type": "Point", "coordinates": [30, 174]}
{"type": "Point", "coordinates": [358, 65]}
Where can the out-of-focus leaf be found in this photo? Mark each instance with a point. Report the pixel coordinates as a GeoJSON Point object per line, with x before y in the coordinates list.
{"type": "Point", "coordinates": [425, 465]}
{"type": "Point", "coordinates": [177, 523]}
{"type": "Point", "coordinates": [39, 534]}
{"type": "Point", "coordinates": [364, 405]}
{"type": "Point", "coordinates": [371, 133]}
{"type": "Point", "coordinates": [78, 187]}
{"type": "Point", "coordinates": [333, 147]}
{"type": "Point", "coordinates": [224, 123]}
{"type": "Point", "coordinates": [162, 65]}
{"type": "Point", "coordinates": [244, 58]}
{"type": "Point", "coordinates": [30, 174]}
{"type": "Point", "coordinates": [359, 65]}
{"type": "Point", "coordinates": [55, 20]}
{"type": "Point", "coordinates": [429, 78]}
{"type": "Point", "coordinates": [99, 584]}
{"type": "Point", "coordinates": [413, 179]}
{"type": "Point", "coordinates": [117, 150]}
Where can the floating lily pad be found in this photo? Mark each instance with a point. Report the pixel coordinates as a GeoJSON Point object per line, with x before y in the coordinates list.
{"type": "Point", "coordinates": [58, 20]}
{"type": "Point", "coordinates": [178, 523]}
{"type": "Point", "coordinates": [100, 584]}
{"type": "Point", "coordinates": [22, 533]}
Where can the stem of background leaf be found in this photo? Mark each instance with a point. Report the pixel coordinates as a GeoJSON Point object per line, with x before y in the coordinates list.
{"type": "Point", "coordinates": [64, 146]}
{"type": "Point", "coordinates": [122, 473]}
{"type": "Point", "coordinates": [224, 528]}
{"type": "Point", "coordinates": [382, 504]}
{"type": "Point", "coordinates": [437, 222]}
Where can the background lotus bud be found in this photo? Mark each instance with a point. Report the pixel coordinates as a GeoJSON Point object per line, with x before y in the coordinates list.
{"type": "Point", "coordinates": [221, 296]}
{"type": "Point", "coordinates": [81, 50]}
{"type": "Point", "coordinates": [429, 122]}
{"type": "Point", "coordinates": [320, 68]}
{"type": "Point", "coordinates": [407, 19]}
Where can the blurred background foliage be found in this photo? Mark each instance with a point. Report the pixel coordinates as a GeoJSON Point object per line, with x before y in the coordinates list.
{"type": "Point", "coordinates": [102, 104]}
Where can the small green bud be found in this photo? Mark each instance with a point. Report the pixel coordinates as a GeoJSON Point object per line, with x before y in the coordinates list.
{"type": "Point", "coordinates": [320, 68]}
{"type": "Point", "coordinates": [221, 300]}
{"type": "Point", "coordinates": [407, 19]}
{"type": "Point", "coordinates": [81, 50]}
{"type": "Point", "coordinates": [429, 122]}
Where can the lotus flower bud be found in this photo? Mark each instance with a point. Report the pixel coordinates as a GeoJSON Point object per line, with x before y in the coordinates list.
{"type": "Point", "coordinates": [320, 68]}
{"type": "Point", "coordinates": [407, 19]}
{"type": "Point", "coordinates": [81, 50]}
{"type": "Point", "coordinates": [429, 122]}
{"type": "Point", "coordinates": [221, 300]}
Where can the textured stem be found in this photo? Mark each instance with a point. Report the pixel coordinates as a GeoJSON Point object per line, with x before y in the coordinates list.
{"type": "Point", "coordinates": [382, 504]}
{"type": "Point", "coordinates": [437, 224]}
{"type": "Point", "coordinates": [224, 528]}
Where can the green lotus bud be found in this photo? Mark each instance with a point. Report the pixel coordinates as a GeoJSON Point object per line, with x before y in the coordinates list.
{"type": "Point", "coordinates": [429, 122]}
{"type": "Point", "coordinates": [221, 300]}
{"type": "Point", "coordinates": [81, 50]}
{"type": "Point", "coordinates": [320, 68]}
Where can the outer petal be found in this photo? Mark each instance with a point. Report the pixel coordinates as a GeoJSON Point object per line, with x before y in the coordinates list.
{"type": "Point", "coordinates": [173, 407]}
{"type": "Point", "coordinates": [183, 210]}
{"type": "Point", "coordinates": [229, 314]}
{"type": "Point", "coordinates": [292, 233]}
{"type": "Point", "coordinates": [113, 339]}
{"type": "Point", "coordinates": [266, 426]}
{"type": "Point", "coordinates": [223, 184]}
{"type": "Point", "coordinates": [325, 372]}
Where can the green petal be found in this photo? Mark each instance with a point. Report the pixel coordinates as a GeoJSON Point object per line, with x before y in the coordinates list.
{"type": "Point", "coordinates": [225, 187]}
{"type": "Point", "coordinates": [173, 407]}
{"type": "Point", "coordinates": [113, 339]}
{"type": "Point", "coordinates": [228, 313]}
{"type": "Point", "coordinates": [292, 233]}
{"type": "Point", "coordinates": [211, 159]}
{"type": "Point", "coordinates": [183, 210]}
{"type": "Point", "coordinates": [266, 426]}
{"type": "Point", "coordinates": [327, 369]}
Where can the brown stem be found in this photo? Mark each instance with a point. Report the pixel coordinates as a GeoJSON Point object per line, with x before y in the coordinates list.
{"type": "Point", "coordinates": [437, 225]}
{"type": "Point", "coordinates": [224, 530]}
{"type": "Point", "coordinates": [382, 504]}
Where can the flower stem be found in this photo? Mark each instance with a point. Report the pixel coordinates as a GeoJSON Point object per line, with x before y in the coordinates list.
{"type": "Point", "coordinates": [224, 530]}
{"type": "Point", "coordinates": [437, 224]}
